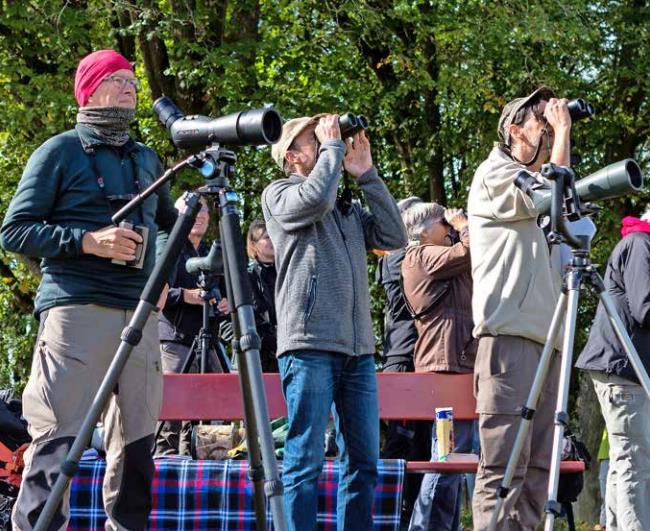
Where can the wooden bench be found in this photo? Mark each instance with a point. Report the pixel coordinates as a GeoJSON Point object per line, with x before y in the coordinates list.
{"type": "Point", "coordinates": [412, 396]}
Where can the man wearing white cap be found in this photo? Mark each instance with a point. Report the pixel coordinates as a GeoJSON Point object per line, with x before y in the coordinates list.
{"type": "Point", "coordinates": [325, 338]}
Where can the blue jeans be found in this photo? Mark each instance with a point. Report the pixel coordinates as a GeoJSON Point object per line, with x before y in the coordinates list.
{"type": "Point", "coordinates": [311, 382]}
{"type": "Point", "coordinates": [438, 505]}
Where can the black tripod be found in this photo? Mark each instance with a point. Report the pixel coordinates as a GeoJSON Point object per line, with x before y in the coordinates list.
{"type": "Point", "coordinates": [205, 342]}
{"type": "Point", "coordinates": [216, 166]}
{"type": "Point", "coordinates": [580, 270]}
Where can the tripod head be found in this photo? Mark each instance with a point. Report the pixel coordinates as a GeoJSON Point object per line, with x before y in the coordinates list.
{"type": "Point", "coordinates": [216, 164]}
{"type": "Point", "coordinates": [565, 205]}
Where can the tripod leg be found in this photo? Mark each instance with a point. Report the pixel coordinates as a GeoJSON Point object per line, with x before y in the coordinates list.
{"type": "Point", "coordinates": [222, 357]}
{"type": "Point", "coordinates": [191, 355]}
{"type": "Point", "coordinates": [624, 338]}
{"type": "Point", "coordinates": [528, 411]}
{"type": "Point", "coordinates": [255, 469]}
{"type": "Point", "coordinates": [249, 343]}
{"type": "Point", "coordinates": [552, 507]}
{"type": "Point", "coordinates": [130, 337]}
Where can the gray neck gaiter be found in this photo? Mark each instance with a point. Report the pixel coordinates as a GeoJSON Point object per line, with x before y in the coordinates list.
{"type": "Point", "coordinates": [110, 124]}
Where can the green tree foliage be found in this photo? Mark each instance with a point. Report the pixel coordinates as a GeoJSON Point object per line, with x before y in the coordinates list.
{"type": "Point", "coordinates": [431, 76]}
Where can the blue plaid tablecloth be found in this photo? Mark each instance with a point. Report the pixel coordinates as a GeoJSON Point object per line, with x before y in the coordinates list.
{"type": "Point", "coordinates": [217, 495]}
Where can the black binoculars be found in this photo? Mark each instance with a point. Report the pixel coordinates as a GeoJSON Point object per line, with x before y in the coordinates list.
{"type": "Point", "coordinates": [351, 124]}
{"type": "Point", "coordinates": [580, 109]}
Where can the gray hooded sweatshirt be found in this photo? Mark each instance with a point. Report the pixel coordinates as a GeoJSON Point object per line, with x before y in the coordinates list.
{"type": "Point", "coordinates": [321, 295]}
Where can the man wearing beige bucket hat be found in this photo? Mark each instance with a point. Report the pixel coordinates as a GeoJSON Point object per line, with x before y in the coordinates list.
{"type": "Point", "coordinates": [325, 340]}
{"type": "Point", "coordinates": [515, 293]}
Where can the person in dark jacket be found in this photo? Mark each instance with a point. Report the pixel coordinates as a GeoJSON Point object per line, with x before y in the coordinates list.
{"type": "Point", "coordinates": [179, 326]}
{"type": "Point", "coordinates": [263, 275]}
{"type": "Point", "coordinates": [404, 439]}
{"type": "Point", "coordinates": [400, 333]}
{"type": "Point", "coordinates": [325, 339]}
{"type": "Point", "coordinates": [61, 212]}
{"type": "Point", "coordinates": [623, 401]}
{"type": "Point", "coordinates": [437, 281]}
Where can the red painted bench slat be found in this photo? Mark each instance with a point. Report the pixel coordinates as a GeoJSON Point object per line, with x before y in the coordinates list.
{"type": "Point", "coordinates": [411, 396]}
{"type": "Point", "coordinates": [401, 395]}
{"type": "Point", "coordinates": [469, 463]}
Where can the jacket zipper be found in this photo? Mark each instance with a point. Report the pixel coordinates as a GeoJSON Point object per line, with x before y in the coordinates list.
{"type": "Point", "coordinates": [311, 300]}
{"type": "Point", "coordinates": [354, 286]}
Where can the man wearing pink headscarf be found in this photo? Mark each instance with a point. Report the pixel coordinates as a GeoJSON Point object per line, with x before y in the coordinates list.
{"type": "Point", "coordinates": [90, 285]}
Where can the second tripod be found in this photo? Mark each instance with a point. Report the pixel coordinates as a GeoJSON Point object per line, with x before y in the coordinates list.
{"type": "Point", "coordinates": [205, 355]}
{"type": "Point", "coordinates": [580, 270]}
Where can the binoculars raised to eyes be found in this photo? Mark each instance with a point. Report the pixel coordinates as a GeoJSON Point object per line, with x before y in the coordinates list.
{"type": "Point", "coordinates": [580, 109]}
{"type": "Point", "coordinates": [351, 124]}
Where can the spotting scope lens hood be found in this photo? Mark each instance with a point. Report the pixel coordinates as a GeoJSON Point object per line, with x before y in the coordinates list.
{"type": "Point", "coordinates": [212, 263]}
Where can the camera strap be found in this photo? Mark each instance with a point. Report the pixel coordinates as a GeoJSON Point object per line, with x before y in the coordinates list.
{"type": "Point", "coordinates": [117, 198]}
{"type": "Point", "coordinates": [544, 133]}
{"type": "Point", "coordinates": [344, 199]}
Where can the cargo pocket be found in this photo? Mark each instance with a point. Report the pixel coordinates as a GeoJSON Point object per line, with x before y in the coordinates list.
{"type": "Point", "coordinates": [61, 384]}
{"type": "Point", "coordinates": [498, 376]}
{"type": "Point", "coordinates": [154, 385]}
{"type": "Point", "coordinates": [37, 407]}
{"type": "Point", "coordinates": [625, 404]}
{"type": "Point", "coordinates": [153, 370]}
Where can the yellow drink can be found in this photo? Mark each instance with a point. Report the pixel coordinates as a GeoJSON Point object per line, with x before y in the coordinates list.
{"type": "Point", "coordinates": [445, 432]}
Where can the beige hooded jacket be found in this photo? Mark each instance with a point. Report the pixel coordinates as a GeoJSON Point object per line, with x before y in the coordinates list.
{"type": "Point", "coordinates": [515, 288]}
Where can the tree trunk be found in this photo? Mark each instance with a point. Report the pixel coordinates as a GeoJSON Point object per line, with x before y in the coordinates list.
{"type": "Point", "coordinates": [154, 53]}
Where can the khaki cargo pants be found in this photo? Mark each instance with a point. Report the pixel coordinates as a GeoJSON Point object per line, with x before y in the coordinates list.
{"type": "Point", "coordinates": [503, 376]}
{"type": "Point", "coordinates": [74, 348]}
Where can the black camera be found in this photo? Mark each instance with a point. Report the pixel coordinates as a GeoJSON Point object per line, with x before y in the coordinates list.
{"type": "Point", "coordinates": [580, 109]}
{"type": "Point", "coordinates": [351, 124]}
{"type": "Point", "coordinates": [254, 127]}
{"type": "Point", "coordinates": [138, 261]}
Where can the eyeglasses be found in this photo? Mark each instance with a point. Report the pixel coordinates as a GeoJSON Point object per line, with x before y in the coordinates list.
{"type": "Point", "coordinates": [122, 82]}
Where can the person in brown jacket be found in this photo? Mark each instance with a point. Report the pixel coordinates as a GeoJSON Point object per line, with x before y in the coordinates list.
{"type": "Point", "coordinates": [437, 283]}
